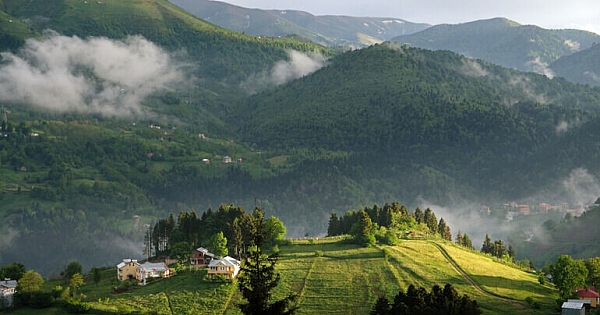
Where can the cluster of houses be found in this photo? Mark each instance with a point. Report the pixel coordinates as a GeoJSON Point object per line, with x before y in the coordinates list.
{"type": "Point", "coordinates": [514, 209]}
{"type": "Point", "coordinates": [226, 267]}
{"type": "Point", "coordinates": [588, 299]}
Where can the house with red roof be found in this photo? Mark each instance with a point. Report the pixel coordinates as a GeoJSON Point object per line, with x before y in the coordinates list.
{"type": "Point", "coordinates": [589, 294]}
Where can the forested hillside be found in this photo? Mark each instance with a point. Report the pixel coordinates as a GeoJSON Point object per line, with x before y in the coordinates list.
{"type": "Point", "coordinates": [503, 42]}
{"type": "Point", "coordinates": [581, 67]}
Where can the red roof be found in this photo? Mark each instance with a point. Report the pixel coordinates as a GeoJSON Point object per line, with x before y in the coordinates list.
{"type": "Point", "coordinates": [588, 293]}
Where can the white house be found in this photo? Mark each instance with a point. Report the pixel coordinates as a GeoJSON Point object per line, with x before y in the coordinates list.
{"type": "Point", "coordinates": [227, 266]}
{"type": "Point", "coordinates": [7, 290]}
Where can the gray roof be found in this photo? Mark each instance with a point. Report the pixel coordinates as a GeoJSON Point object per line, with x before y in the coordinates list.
{"type": "Point", "coordinates": [9, 284]}
{"type": "Point", "coordinates": [205, 251]}
{"type": "Point", "coordinates": [572, 305]}
{"type": "Point", "coordinates": [153, 266]}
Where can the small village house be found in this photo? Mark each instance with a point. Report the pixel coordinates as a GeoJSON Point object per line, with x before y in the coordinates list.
{"type": "Point", "coordinates": [7, 290]}
{"type": "Point", "coordinates": [201, 257]}
{"type": "Point", "coordinates": [126, 270]}
{"type": "Point", "coordinates": [589, 295]}
{"type": "Point", "coordinates": [151, 270]}
{"type": "Point", "coordinates": [227, 267]}
{"type": "Point", "coordinates": [226, 159]}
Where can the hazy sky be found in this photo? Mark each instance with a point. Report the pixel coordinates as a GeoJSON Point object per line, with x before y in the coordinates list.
{"type": "Point", "coordinates": [578, 14]}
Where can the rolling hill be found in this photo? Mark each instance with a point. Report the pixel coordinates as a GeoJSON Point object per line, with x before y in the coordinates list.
{"type": "Point", "coordinates": [341, 279]}
{"type": "Point", "coordinates": [503, 42]}
{"type": "Point", "coordinates": [324, 30]}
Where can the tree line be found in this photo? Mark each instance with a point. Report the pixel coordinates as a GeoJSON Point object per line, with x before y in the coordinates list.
{"type": "Point", "coordinates": [222, 231]}
{"type": "Point", "coordinates": [417, 301]}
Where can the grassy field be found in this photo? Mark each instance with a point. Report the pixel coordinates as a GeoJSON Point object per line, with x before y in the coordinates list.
{"type": "Point", "coordinates": [332, 277]}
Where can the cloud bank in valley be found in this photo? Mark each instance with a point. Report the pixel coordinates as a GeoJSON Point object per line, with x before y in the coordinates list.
{"type": "Point", "coordinates": [92, 75]}
{"type": "Point", "coordinates": [298, 65]}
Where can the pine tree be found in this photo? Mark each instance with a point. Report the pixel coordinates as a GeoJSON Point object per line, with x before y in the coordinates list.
{"type": "Point", "coordinates": [363, 234]}
{"type": "Point", "coordinates": [487, 247]}
{"type": "Point", "coordinates": [430, 220]}
{"type": "Point", "coordinates": [258, 277]}
{"type": "Point", "coordinates": [459, 238]}
{"type": "Point", "coordinates": [334, 225]}
{"type": "Point", "coordinates": [444, 230]}
{"type": "Point", "coordinates": [467, 242]}
{"type": "Point", "coordinates": [419, 217]}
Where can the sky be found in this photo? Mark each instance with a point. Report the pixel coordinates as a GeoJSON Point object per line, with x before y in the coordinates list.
{"type": "Point", "coordinates": [551, 14]}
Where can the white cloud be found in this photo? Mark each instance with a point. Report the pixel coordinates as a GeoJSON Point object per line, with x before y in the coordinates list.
{"type": "Point", "coordinates": [538, 66]}
{"type": "Point", "coordinates": [93, 75]}
{"type": "Point", "coordinates": [298, 65]}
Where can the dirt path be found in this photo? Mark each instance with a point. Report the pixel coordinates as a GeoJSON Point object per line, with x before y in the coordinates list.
{"type": "Point", "coordinates": [471, 281]}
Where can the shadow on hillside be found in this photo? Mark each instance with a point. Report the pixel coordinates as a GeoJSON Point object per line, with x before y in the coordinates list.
{"type": "Point", "coordinates": [496, 284]}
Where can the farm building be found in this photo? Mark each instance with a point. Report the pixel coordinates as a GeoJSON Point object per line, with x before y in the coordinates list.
{"type": "Point", "coordinates": [573, 308]}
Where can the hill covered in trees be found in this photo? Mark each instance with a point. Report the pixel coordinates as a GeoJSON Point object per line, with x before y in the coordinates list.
{"type": "Point", "coordinates": [387, 122]}
{"type": "Point", "coordinates": [503, 42]}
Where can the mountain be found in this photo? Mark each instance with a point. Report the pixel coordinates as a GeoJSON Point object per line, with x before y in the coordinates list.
{"type": "Point", "coordinates": [325, 30]}
{"type": "Point", "coordinates": [503, 42]}
{"type": "Point", "coordinates": [383, 123]}
{"type": "Point", "coordinates": [581, 67]}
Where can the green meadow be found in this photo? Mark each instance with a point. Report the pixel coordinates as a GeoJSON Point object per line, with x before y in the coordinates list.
{"type": "Point", "coordinates": [333, 277]}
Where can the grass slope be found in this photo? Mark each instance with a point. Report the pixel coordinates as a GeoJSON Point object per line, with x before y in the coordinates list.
{"type": "Point", "coordinates": [331, 277]}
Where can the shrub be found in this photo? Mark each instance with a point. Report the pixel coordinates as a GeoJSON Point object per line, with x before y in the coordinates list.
{"type": "Point", "coordinates": [77, 307]}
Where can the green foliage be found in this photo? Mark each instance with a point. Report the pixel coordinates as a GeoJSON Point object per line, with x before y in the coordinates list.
{"type": "Point", "coordinates": [30, 282]}
{"type": "Point", "coordinates": [73, 268]}
{"type": "Point", "coordinates": [76, 281]}
{"type": "Point", "coordinates": [418, 301]}
{"type": "Point", "coordinates": [96, 275]}
{"type": "Point", "coordinates": [13, 271]}
{"type": "Point", "coordinates": [77, 307]}
{"type": "Point", "coordinates": [568, 274]}
{"type": "Point", "coordinates": [593, 267]}
{"type": "Point", "coordinates": [363, 231]}
{"type": "Point", "coordinates": [219, 245]}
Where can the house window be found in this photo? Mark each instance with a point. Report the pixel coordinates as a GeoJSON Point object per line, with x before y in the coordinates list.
{"type": "Point", "coordinates": [222, 268]}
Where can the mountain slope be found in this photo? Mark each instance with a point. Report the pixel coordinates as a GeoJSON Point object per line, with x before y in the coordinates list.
{"type": "Point", "coordinates": [581, 67]}
{"type": "Point", "coordinates": [503, 42]}
{"type": "Point", "coordinates": [326, 30]}
{"type": "Point", "coordinates": [462, 118]}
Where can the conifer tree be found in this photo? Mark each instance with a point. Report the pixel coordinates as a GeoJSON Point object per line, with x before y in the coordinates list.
{"type": "Point", "coordinates": [459, 238]}
{"type": "Point", "coordinates": [334, 225]}
{"type": "Point", "coordinates": [258, 277]}
{"type": "Point", "coordinates": [419, 217]}
{"type": "Point", "coordinates": [487, 247]}
{"type": "Point", "coordinates": [466, 242]}
{"type": "Point", "coordinates": [430, 220]}
{"type": "Point", "coordinates": [363, 234]}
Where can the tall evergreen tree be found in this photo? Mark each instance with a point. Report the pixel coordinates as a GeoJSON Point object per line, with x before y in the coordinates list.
{"type": "Point", "coordinates": [444, 230]}
{"type": "Point", "coordinates": [459, 238]}
{"type": "Point", "coordinates": [334, 225]}
{"type": "Point", "coordinates": [430, 220]}
{"type": "Point", "coordinates": [466, 242]}
{"type": "Point", "coordinates": [364, 225]}
{"type": "Point", "coordinates": [487, 247]}
{"type": "Point", "coordinates": [258, 277]}
{"type": "Point", "coordinates": [419, 216]}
